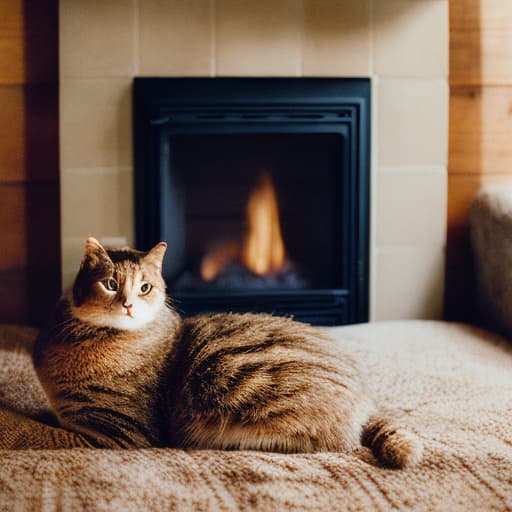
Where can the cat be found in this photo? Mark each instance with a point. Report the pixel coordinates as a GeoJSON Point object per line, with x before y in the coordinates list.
{"type": "Point", "coordinates": [122, 369]}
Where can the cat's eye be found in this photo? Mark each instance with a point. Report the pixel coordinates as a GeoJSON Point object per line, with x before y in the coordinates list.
{"type": "Point", "coordinates": [110, 285]}
{"type": "Point", "coordinates": [145, 288]}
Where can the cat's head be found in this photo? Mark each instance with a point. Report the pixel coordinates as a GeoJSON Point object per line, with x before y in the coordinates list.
{"type": "Point", "coordinates": [121, 288]}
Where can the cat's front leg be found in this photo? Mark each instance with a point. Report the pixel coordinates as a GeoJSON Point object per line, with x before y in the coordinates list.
{"type": "Point", "coordinates": [18, 432]}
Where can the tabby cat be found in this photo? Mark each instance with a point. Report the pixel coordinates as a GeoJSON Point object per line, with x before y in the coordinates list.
{"type": "Point", "coordinates": [122, 369]}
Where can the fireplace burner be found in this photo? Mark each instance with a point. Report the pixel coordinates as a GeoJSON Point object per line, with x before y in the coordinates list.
{"type": "Point", "coordinates": [261, 189]}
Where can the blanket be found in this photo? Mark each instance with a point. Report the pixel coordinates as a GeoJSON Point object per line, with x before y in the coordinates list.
{"type": "Point", "coordinates": [449, 383]}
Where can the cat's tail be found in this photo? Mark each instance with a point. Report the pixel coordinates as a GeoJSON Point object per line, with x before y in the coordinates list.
{"type": "Point", "coordinates": [393, 446]}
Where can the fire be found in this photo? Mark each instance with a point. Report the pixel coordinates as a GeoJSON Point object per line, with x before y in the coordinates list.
{"type": "Point", "coordinates": [263, 250]}
{"type": "Point", "coordinates": [217, 259]}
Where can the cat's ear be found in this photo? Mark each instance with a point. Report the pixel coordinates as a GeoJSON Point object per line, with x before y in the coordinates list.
{"type": "Point", "coordinates": [156, 255]}
{"type": "Point", "coordinates": [94, 253]}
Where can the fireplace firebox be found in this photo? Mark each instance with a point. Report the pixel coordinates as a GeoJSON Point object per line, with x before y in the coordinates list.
{"type": "Point", "coordinates": [260, 186]}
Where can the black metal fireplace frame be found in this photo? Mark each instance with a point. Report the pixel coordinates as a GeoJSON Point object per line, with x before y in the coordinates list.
{"type": "Point", "coordinates": [163, 106]}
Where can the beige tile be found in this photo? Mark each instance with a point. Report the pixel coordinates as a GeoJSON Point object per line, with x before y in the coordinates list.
{"type": "Point", "coordinates": [258, 38]}
{"type": "Point", "coordinates": [411, 207]}
{"type": "Point", "coordinates": [95, 123]}
{"type": "Point", "coordinates": [409, 283]}
{"type": "Point", "coordinates": [336, 40]}
{"type": "Point", "coordinates": [411, 38]}
{"type": "Point", "coordinates": [412, 122]}
{"type": "Point", "coordinates": [175, 37]}
{"type": "Point", "coordinates": [97, 38]}
{"type": "Point", "coordinates": [97, 202]}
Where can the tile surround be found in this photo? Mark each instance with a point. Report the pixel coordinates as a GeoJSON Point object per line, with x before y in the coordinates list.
{"type": "Point", "coordinates": [95, 123]}
{"type": "Point", "coordinates": [336, 38]}
{"type": "Point", "coordinates": [180, 49]}
{"type": "Point", "coordinates": [401, 192]}
{"type": "Point", "coordinates": [409, 282]}
{"type": "Point", "coordinates": [96, 38]}
{"type": "Point", "coordinates": [413, 122]}
{"type": "Point", "coordinates": [257, 38]}
{"type": "Point", "coordinates": [106, 189]}
{"type": "Point", "coordinates": [384, 39]}
{"type": "Point", "coordinates": [411, 39]}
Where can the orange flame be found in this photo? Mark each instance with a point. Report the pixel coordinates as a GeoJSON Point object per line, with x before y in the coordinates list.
{"type": "Point", "coordinates": [263, 250]}
{"type": "Point", "coordinates": [217, 259]}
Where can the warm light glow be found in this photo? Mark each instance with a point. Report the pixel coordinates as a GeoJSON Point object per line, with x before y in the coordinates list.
{"type": "Point", "coordinates": [263, 251]}
{"type": "Point", "coordinates": [216, 259]}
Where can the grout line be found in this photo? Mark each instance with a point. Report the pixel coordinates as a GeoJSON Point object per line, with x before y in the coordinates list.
{"type": "Point", "coordinates": [410, 247]}
{"type": "Point", "coordinates": [213, 39]}
{"type": "Point", "coordinates": [374, 159]}
{"type": "Point", "coordinates": [97, 170]}
{"type": "Point", "coordinates": [299, 71]}
{"type": "Point", "coordinates": [414, 168]}
{"type": "Point", "coordinates": [371, 37]}
{"type": "Point", "coordinates": [97, 78]}
{"type": "Point", "coordinates": [410, 79]}
{"type": "Point", "coordinates": [136, 37]}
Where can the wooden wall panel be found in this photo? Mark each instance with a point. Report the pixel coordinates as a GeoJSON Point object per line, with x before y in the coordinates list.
{"type": "Point", "coordinates": [12, 42]}
{"type": "Point", "coordinates": [12, 217]}
{"type": "Point", "coordinates": [481, 130]}
{"type": "Point", "coordinates": [29, 170]}
{"type": "Point", "coordinates": [12, 133]}
{"type": "Point", "coordinates": [480, 49]}
{"type": "Point", "coordinates": [480, 135]}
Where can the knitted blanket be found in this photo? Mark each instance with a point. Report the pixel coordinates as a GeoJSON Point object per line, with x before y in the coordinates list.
{"type": "Point", "coordinates": [450, 383]}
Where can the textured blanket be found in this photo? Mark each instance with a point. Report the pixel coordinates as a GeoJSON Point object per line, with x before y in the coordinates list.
{"type": "Point", "coordinates": [450, 383]}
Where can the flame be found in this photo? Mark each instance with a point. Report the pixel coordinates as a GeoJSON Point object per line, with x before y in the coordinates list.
{"type": "Point", "coordinates": [216, 259]}
{"type": "Point", "coordinates": [263, 250]}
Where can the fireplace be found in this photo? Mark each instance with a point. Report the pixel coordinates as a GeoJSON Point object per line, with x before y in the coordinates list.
{"type": "Point", "coordinates": [261, 189]}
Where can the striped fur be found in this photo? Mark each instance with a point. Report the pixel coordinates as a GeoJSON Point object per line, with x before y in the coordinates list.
{"type": "Point", "coordinates": [103, 380]}
{"type": "Point", "coordinates": [267, 383]}
{"type": "Point", "coordinates": [262, 382]}
{"type": "Point", "coordinates": [220, 381]}
{"type": "Point", "coordinates": [394, 446]}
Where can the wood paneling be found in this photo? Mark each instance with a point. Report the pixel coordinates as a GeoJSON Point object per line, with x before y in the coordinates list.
{"type": "Point", "coordinates": [12, 133]}
{"type": "Point", "coordinates": [12, 222]}
{"type": "Point", "coordinates": [480, 135]}
{"type": "Point", "coordinates": [480, 49]}
{"type": "Point", "coordinates": [12, 42]}
{"type": "Point", "coordinates": [29, 170]}
{"type": "Point", "coordinates": [480, 130]}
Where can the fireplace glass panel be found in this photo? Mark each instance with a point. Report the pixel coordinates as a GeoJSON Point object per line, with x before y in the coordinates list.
{"type": "Point", "coordinates": [211, 178]}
